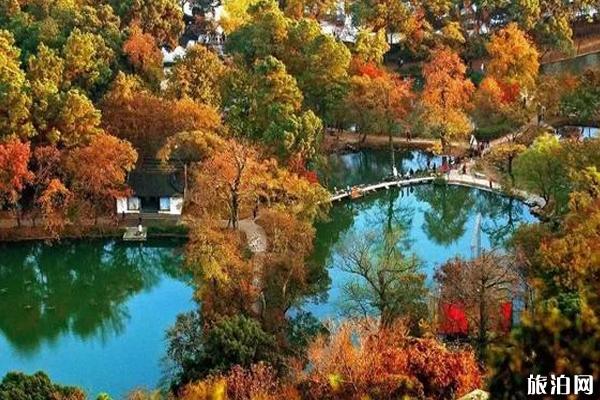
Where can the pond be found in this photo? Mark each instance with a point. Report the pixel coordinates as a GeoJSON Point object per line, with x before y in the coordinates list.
{"type": "Point", "coordinates": [90, 313]}
{"type": "Point", "coordinates": [372, 166]}
{"type": "Point", "coordinates": [438, 222]}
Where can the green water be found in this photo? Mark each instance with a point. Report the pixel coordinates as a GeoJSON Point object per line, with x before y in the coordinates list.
{"type": "Point", "coordinates": [90, 313]}
{"type": "Point", "coordinates": [372, 166]}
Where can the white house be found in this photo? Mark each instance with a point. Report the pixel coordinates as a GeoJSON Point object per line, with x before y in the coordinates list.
{"type": "Point", "coordinates": [154, 191]}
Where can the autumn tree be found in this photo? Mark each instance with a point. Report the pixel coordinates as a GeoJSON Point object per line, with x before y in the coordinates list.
{"type": "Point", "coordinates": [481, 288]}
{"type": "Point", "coordinates": [286, 272]}
{"type": "Point", "coordinates": [163, 19]}
{"type": "Point", "coordinates": [503, 156]}
{"type": "Point", "coordinates": [54, 204]}
{"type": "Point", "coordinates": [15, 100]}
{"type": "Point", "coordinates": [97, 173]}
{"type": "Point", "coordinates": [191, 147]}
{"type": "Point", "coordinates": [446, 97]}
{"type": "Point", "coordinates": [14, 173]}
{"type": "Point", "coordinates": [257, 381]}
{"type": "Point", "coordinates": [370, 47]}
{"type": "Point", "coordinates": [378, 102]}
{"type": "Point", "coordinates": [235, 14]}
{"type": "Point", "coordinates": [386, 282]}
{"type": "Point", "coordinates": [513, 58]}
{"type": "Point", "coordinates": [198, 75]}
{"type": "Point", "coordinates": [230, 181]}
{"type": "Point", "coordinates": [560, 333]}
{"type": "Point", "coordinates": [144, 55]}
{"type": "Point", "coordinates": [404, 20]}
{"type": "Point", "coordinates": [359, 360]}
{"type": "Point", "coordinates": [130, 111]}
{"type": "Point", "coordinates": [87, 61]}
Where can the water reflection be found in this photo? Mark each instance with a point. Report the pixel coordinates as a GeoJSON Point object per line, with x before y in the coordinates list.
{"type": "Point", "coordinates": [372, 166]}
{"type": "Point", "coordinates": [77, 288]}
{"type": "Point", "coordinates": [436, 223]}
{"type": "Point", "coordinates": [449, 207]}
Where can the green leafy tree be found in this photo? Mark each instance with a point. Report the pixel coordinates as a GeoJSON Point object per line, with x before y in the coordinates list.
{"type": "Point", "coordinates": [18, 386]}
{"type": "Point", "coordinates": [198, 352]}
{"type": "Point", "coordinates": [266, 105]}
{"type": "Point", "coordinates": [317, 61]}
{"type": "Point", "coordinates": [541, 170]}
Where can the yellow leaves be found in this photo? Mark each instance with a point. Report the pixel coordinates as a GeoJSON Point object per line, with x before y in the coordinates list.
{"type": "Point", "coordinates": [335, 381]}
{"type": "Point", "coordinates": [235, 14]}
{"type": "Point", "coordinates": [14, 101]}
{"type": "Point", "coordinates": [206, 390]}
{"type": "Point", "coordinates": [87, 59]}
{"type": "Point", "coordinates": [513, 58]}
{"type": "Point", "coordinates": [198, 75]}
{"type": "Point", "coordinates": [447, 96]}
{"type": "Point", "coordinates": [371, 46]}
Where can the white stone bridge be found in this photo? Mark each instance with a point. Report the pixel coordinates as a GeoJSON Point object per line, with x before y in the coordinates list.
{"type": "Point", "coordinates": [453, 177]}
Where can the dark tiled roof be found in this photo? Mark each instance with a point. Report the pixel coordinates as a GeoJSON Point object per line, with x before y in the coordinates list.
{"type": "Point", "coordinates": [150, 179]}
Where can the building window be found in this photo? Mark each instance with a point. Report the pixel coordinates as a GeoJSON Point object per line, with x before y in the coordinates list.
{"type": "Point", "coordinates": [133, 204]}
{"type": "Point", "coordinates": [165, 204]}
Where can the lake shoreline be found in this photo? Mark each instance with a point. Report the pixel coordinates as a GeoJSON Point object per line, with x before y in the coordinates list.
{"type": "Point", "coordinates": [27, 234]}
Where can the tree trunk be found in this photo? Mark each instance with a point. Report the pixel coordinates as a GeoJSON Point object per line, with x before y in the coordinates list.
{"type": "Point", "coordinates": [233, 218]}
{"type": "Point", "coordinates": [392, 154]}
{"type": "Point", "coordinates": [18, 216]}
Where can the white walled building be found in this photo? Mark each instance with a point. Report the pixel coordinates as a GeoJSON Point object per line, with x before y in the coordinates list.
{"type": "Point", "coordinates": [154, 191]}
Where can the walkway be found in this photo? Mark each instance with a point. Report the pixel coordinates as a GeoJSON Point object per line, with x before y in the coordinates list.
{"type": "Point", "coordinates": [451, 178]}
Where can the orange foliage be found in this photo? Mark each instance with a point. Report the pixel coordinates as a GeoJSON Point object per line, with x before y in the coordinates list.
{"type": "Point", "coordinates": [446, 85]}
{"type": "Point", "coordinates": [297, 164]}
{"type": "Point", "coordinates": [359, 361]}
{"type": "Point", "coordinates": [575, 254]}
{"type": "Point", "coordinates": [131, 112]}
{"type": "Point", "coordinates": [369, 69]}
{"type": "Point", "coordinates": [14, 171]}
{"type": "Point", "coordinates": [447, 96]}
{"type": "Point", "coordinates": [215, 256]}
{"type": "Point", "coordinates": [98, 171]}
{"type": "Point", "coordinates": [142, 52]}
{"type": "Point", "coordinates": [54, 203]}
{"type": "Point", "coordinates": [258, 382]}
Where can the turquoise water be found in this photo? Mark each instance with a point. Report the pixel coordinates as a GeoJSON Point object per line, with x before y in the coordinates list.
{"type": "Point", "coordinates": [437, 223]}
{"type": "Point", "coordinates": [90, 313]}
